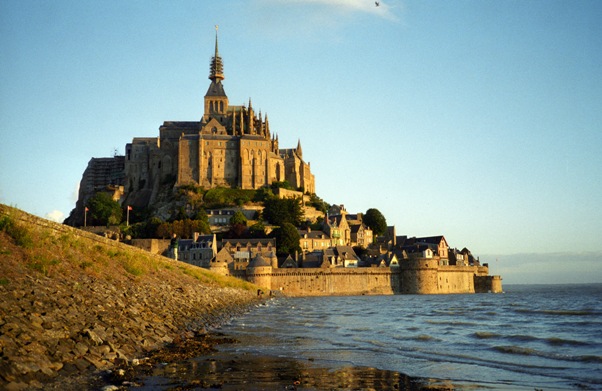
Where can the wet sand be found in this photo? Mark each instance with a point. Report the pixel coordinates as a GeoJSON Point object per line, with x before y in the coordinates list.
{"type": "Point", "coordinates": [197, 364]}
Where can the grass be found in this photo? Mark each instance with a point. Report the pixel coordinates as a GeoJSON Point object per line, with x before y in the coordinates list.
{"type": "Point", "coordinates": [18, 232]}
{"type": "Point", "coordinates": [86, 264]}
{"type": "Point", "coordinates": [52, 252]}
{"type": "Point", "coordinates": [42, 264]}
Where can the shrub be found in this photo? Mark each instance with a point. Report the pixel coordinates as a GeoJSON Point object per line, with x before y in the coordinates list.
{"type": "Point", "coordinates": [18, 232]}
{"type": "Point", "coordinates": [43, 264]}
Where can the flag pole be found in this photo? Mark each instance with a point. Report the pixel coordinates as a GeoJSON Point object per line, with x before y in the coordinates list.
{"type": "Point", "coordinates": [127, 221]}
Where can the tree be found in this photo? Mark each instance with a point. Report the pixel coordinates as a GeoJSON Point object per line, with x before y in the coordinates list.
{"type": "Point", "coordinates": [238, 225]}
{"type": "Point", "coordinates": [104, 210]}
{"type": "Point", "coordinates": [280, 211]}
{"type": "Point", "coordinates": [287, 240]}
{"type": "Point", "coordinates": [257, 230]}
{"type": "Point", "coordinates": [238, 218]}
{"type": "Point", "coordinates": [376, 221]}
{"type": "Point", "coordinates": [183, 228]}
{"type": "Point", "coordinates": [318, 203]}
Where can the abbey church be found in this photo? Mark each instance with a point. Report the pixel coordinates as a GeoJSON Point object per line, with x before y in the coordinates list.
{"type": "Point", "coordinates": [231, 146]}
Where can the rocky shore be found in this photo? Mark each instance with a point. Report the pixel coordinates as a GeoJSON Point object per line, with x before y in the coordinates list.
{"type": "Point", "coordinates": [72, 305]}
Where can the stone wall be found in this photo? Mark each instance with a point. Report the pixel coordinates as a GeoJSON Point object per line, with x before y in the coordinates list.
{"type": "Point", "coordinates": [328, 282]}
{"type": "Point", "coordinates": [153, 246]}
{"type": "Point", "coordinates": [418, 276]}
{"type": "Point", "coordinates": [87, 313]}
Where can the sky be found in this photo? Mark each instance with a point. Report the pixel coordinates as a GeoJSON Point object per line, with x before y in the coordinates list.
{"type": "Point", "coordinates": [478, 120]}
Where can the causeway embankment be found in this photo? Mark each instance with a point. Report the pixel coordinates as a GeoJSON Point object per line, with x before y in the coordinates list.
{"type": "Point", "coordinates": [74, 303]}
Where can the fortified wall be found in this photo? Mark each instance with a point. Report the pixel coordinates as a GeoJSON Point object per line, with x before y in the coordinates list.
{"type": "Point", "coordinates": [423, 276]}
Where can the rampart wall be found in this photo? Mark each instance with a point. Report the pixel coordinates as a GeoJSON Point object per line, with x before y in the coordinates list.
{"type": "Point", "coordinates": [335, 281]}
{"type": "Point", "coordinates": [421, 276]}
{"type": "Point", "coordinates": [414, 277]}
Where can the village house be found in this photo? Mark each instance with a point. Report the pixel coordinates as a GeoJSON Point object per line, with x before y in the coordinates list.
{"type": "Point", "coordinates": [437, 244]}
{"type": "Point", "coordinates": [243, 250]}
{"type": "Point", "coordinates": [360, 235]}
{"type": "Point", "coordinates": [311, 240]}
{"type": "Point", "coordinates": [221, 217]}
{"type": "Point", "coordinates": [198, 251]}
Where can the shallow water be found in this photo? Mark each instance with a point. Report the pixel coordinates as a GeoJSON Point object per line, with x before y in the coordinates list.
{"type": "Point", "coordinates": [541, 336]}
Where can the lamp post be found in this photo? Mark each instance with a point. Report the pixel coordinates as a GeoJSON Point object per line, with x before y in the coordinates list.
{"type": "Point", "coordinates": [85, 215]}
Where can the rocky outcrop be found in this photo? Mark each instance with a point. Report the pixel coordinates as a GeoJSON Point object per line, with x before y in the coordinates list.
{"type": "Point", "coordinates": [70, 304]}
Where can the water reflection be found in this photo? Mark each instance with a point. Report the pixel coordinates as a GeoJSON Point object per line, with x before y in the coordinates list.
{"type": "Point", "coordinates": [245, 371]}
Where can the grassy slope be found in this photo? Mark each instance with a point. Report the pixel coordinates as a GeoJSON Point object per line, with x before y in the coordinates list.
{"type": "Point", "coordinates": [30, 249]}
{"type": "Point", "coordinates": [57, 283]}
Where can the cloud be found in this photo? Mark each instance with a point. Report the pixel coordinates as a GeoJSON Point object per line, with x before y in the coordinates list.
{"type": "Point", "coordinates": [75, 193]}
{"type": "Point", "coordinates": [383, 10]}
{"type": "Point", "coordinates": [56, 215]}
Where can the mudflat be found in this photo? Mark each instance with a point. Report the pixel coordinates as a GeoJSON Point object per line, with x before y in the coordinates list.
{"type": "Point", "coordinates": [197, 363]}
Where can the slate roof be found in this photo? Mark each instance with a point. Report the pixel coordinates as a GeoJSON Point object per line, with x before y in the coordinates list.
{"type": "Point", "coordinates": [289, 262]}
{"type": "Point", "coordinates": [245, 242]}
{"type": "Point", "coordinates": [258, 261]}
{"type": "Point", "coordinates": [313, 234]}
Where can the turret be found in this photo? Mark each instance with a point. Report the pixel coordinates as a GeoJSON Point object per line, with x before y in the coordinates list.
{"type": "Point", "coordinates": [299, 150]}
{"type": "Point", "coordinates": [216, 101]}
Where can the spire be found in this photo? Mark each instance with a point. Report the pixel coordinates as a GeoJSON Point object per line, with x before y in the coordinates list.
{"type": "Point", "coordinates": [217, 67]}
{"type": "Point", "coordinates": [299, 150]}
{"type": "Point", "coordinates": [267, 126]}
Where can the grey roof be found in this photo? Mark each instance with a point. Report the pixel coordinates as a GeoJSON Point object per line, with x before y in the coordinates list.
{"type": "Point", "coordinates": [216, 89]}
{"type": "Point", "coordinates": [289, 262]}
{"type": "Point", "coordinates": [258, 261]}
{"type": "Point", "coordinates": [313, 234]}
{"type": "Point", "coordinates": [245, 242]}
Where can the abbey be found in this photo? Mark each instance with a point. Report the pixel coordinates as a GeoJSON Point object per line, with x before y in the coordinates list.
{"type": "Point", "coordinates": [231, 146]}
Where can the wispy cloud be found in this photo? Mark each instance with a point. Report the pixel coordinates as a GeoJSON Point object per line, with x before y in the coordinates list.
{"type": "Point", "coordinates": [383, 9]}
{"type": "Point", "coordinates": [56, 215]}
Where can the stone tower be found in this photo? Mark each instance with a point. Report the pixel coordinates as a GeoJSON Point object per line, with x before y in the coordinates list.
{"type": "Point", "coordinates": [216, 100]}
{"type": "Point", "coordinates": [230, 146]}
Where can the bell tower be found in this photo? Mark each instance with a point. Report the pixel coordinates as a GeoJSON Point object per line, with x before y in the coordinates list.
{"type": "Point", "coordinates": [216, 101]}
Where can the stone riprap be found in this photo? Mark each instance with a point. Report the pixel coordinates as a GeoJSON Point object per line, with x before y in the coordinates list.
{"type": "Point", "coordinates": [70, 305]}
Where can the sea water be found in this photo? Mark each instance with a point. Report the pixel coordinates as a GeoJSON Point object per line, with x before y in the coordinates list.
{"type": "Point", "coordinates": [539, 336]}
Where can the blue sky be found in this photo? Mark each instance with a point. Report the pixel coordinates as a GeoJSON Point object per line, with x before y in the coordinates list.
{"type": "Point", "coordinates": [479, 120]}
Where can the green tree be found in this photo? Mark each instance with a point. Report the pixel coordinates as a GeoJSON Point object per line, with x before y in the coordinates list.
{"type": "Point", "coordinates": [257, 230]}
{"type": "Point", "coordinates": [238, 225]}
{"type": "Point", "coordinates": [238, 218]}
{"type": "Point", "coordinates": [287, 240]}
{"type": "Point", "coordinates": [318, 203]}
{"type": "Point", "coordinates": [280, 211]}
{"type": "Point", "coordinates": [183, 228]}
{"type": "Point", "coordinates": [104, 210]}
{"type": "Point", "coordinates": [376, 221]}
{"type": "Point", "coordinates": [282, 184]}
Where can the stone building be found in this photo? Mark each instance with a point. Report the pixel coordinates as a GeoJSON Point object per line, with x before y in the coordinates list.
{"type": "Point", "coordinates": [102, 174]}
{"type": "Point", "coordinates": [199, 250]}
{"type": "Point", "coordinates": [231, 146]}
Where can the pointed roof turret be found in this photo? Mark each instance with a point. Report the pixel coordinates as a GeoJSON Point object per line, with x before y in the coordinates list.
{"type": "Point", "coordinates": [299, 150]}
{"type": "Point", "coordinates": [217, 67]}
{"type": "Point", "coordinates": [216, 75]}
{"type": "Point", "coordinates": [267, 126]}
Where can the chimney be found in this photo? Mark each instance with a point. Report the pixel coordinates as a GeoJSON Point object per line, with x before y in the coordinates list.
{"type": "Point", "coordinates": [195, 236]}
